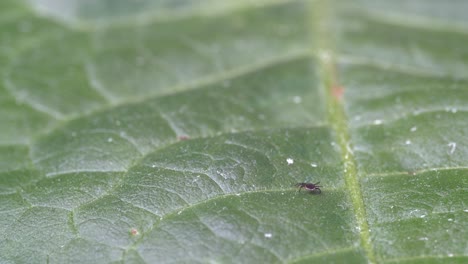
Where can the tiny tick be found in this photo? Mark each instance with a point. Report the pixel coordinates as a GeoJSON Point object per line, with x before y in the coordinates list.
{"type": "Point", "coordinates": [311, 187]}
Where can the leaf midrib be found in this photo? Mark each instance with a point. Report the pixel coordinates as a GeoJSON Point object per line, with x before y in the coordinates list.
{"type": "Point", "coordinates": [337, 118]}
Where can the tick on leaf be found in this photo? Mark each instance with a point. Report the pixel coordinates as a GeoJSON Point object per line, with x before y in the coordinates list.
{"type": "Point", "coordinates": [311, 187]}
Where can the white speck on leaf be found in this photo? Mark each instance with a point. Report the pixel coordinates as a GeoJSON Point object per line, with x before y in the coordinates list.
{"type": "Point", "coordinates": [324, 55]}
{"type": "Point", "coordinates": [378, 122]}
{"type": "Point", "coordinates": [413, 129]}
{"type": "Point", "coordinates": [289, 161]}
{"type": "Point", "coordinates": [418, 213]}
{"type": "Point", "coordinates": [408, 142]}
{"type": "Point", "coordinates": [313, 165]}
{"type": "Point", "coordinates": [451, 109]}
{"type": "Point", "coordinates": [349, 148]}
{"type": "Point", "coordinates": [297, 99]}
{"type": "Point", "coordinates": [268, 235]}
{"type": "Point", "coordinates": [110, 139]}
{"type": "Point", "coordinates": [452, 146]}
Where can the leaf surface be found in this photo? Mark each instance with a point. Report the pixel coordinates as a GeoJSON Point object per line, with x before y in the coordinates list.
{"type": "Point", "coordinates": [175, 131]}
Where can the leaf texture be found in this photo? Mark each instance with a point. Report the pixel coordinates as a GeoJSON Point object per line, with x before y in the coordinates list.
{"type": "Point", "coordinates": [175, 131]}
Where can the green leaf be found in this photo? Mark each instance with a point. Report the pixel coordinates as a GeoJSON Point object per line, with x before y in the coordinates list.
{"type": "Point", "coordinates": [175, 131]}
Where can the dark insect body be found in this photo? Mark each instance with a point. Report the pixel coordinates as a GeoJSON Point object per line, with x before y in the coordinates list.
{"type": "Point", "coordinates": [310, 187]}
